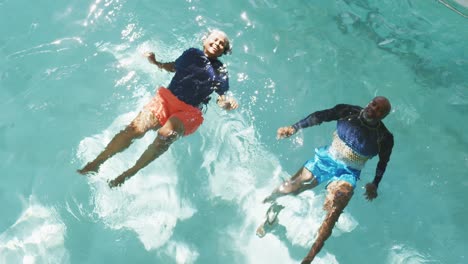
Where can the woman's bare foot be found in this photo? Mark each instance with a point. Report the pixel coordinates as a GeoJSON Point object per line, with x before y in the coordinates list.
{"type": "Point", "coordinates": [116, 182]}
{"type": "Point", "coordinates": [88, 168]}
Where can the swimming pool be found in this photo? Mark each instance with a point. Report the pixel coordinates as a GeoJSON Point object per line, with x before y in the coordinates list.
{"type": "Point", "coordinates": [72, 76]}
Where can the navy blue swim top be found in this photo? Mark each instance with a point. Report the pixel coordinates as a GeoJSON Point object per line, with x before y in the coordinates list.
{"type": "Point", "coordinates": [197, 77]}
{"type": "Point", "coordinates": [361, 137]}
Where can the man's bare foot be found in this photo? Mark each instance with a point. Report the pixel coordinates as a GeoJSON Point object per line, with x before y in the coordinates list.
{"type": "Point", "coordinates": [261, 230]}
{"type": "Point", "coordinates": [268, 199]}
{"type": "Point", "coordinates": [272, 197]}
{"type": "Point", "coordinates": [272, 213]}
{"type": "Point", "coordinates": [271, 217]}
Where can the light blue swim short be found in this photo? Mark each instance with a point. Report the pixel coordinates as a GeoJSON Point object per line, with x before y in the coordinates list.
{"type": "Point", "coordinates": [326, 169]}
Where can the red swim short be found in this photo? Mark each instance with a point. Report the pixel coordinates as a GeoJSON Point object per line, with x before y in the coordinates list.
{"type": "Point", "coordinates": [165, 105]}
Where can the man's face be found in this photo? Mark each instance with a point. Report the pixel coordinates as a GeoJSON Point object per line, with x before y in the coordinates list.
{"type": "Point", "coordinates": [377, 109]}
{"type": "Point", "coordinates": [214, 45]}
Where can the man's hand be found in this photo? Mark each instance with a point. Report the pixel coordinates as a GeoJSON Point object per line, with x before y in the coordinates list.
{"type": "Point", "coordinates": [227, 103]}
{"type": "Point", "coordinates": [151, 57]}
{"type": "Point", "coordinates": [371, 191]}
{"type": "Point", "coordinates": [285, 132]}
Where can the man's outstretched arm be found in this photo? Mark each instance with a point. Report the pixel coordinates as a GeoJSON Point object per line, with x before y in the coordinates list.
{"type": "Point", "coordinates": [384, 157]}
{"type": "Point", "coordinates": [327, 115]}
{"type": "Point", "coordinates": [318, 117]}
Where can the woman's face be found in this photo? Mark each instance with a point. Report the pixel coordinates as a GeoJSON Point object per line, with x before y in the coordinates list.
{"type": "Point", "coordinates": [214, 45]}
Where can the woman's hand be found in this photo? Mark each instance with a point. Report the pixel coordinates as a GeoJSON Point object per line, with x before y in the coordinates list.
{"type": "Point", "coordinates": [151, 57]}
{"type": "Point", "coordinates": [227, 103]}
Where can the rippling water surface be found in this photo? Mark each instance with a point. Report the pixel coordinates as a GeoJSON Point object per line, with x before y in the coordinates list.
{"type": "Point", "coordinates": [72, 75]}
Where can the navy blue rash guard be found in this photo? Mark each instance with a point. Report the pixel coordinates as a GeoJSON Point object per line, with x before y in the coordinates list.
{"type": "Point", "coordinates": [360, 137]}
{"type": "Point", "coordinates": [197, 77]}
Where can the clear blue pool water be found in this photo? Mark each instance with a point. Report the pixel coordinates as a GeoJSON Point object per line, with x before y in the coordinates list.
{"type": "Point", "coordinates": [72, 75]}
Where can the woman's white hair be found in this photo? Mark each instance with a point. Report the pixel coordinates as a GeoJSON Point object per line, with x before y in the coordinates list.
{"type": "Point", "coordinates": [227, 42]}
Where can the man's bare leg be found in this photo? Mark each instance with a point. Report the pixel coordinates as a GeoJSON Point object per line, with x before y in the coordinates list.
{"type": "Point", "coordinates": [144, 121]}
{"type": "Point", "coordinates": [297, 184]}
{"type": "Point", "coordinates": [339, 194]}
{"type": "Point", "coordinates": [170, 132]}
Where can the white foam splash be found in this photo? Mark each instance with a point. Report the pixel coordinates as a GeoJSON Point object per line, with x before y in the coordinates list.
{"type": "Point", "coordinates": [36, 237]}
{"type": "Point", "coordinates": [148, 203]}
{"type": "Point", "coordinates": [182, 253]}
{"type": "Point", "coordinates": [402, 254]}
{"type": "Point", "coordinates": [242, 171]}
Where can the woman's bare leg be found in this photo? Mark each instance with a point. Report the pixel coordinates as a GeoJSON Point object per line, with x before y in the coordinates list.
{"type": "Point", "coordinates": [144, 121]}
{"type": "Point", "coordinates": [170, 132]}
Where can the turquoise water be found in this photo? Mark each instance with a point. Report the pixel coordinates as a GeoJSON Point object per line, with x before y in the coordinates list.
{"type": "Point", "coordinates": [72, 75]}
